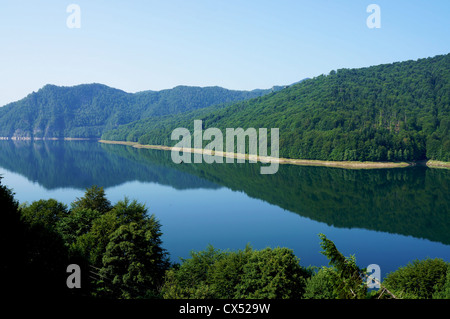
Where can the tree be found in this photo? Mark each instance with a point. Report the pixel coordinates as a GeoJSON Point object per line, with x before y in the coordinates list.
{"type": "Point", "coordinates": [349, 283]}
{"type": "Point", "coordinates": [420, 279]}
{"type": "Point", "coordinates": [443, 293]}
{"type": "Point", "coordinates": [321, 284]}
{"type": "Point", "coordinates": [227, 273]}
{"type": "Point", "coordinates": [34, 258]}
{"type": "Point", "coordinates": [191, 278]}
{"type": "Point", "coordinates": [94, 198]}
{"type": "Point", "coordinates": [12, 231]}
{"type": "Point", "coordinates": [93, 244]}
{"type": "Point", "coordinates": [124, 248]}
{"type": "Point", "coordinates": [390, 156]}
{"type": "Point", "coordinates": [272, 274]}
{"type": "Point", "coordinates": [212, 273]}
{"type": "Point", "coordinates": [134, 261]}
{"type": "Point", "coordinates": [76, 223]}
{"type": "Point", "coordinates": [44, 212]}
{"type": "Point", "coordinates": [130, 211]}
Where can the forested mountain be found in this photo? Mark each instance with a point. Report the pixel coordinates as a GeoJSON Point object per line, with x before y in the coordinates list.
{"type": "Point", "coordinates": [89, 109]}
{"type": "Point", "coordinates": [390, 112]}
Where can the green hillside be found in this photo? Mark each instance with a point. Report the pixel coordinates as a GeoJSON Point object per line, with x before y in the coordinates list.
{"type": "Point", "coordinates": [391, 112]}
{"type": "Point", "coordinates": [88, 110]}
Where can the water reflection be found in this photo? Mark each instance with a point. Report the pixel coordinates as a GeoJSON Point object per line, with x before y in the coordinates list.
{"type": "Point", "coordinates": [412, 201]}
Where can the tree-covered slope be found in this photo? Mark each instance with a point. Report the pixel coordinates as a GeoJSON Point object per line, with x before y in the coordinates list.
{"type": "Point", "coordinates": [88, 110]}
{"type": "Point", "coordinates": [389, 112]}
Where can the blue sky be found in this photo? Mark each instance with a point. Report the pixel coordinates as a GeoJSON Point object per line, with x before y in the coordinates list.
{"type": "Point", "coordinates": [236, 44]}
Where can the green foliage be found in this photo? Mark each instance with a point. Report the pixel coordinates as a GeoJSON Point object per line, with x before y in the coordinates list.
{"type": "Point", "coordinates": [227, 277]}
{"type": "Point", "coordinates": [122, 250]}
{"type": "Point", "coordinates": [443, 293]}
{"type": "Point", "coordinates": [76, 223]}
{"type": "Point", "coordinates": [396, 112]}
{"type": "Point", "coordinates": [86, 111]}
{"type": "Point", "coordinates": [322, 284]}
{"type": "Point", "coordinates": [47, 213]}
{"type": "Point", "coordinates": [127, 212]}
{"type": "Point", "coordinates": [133, 261]}
{"type": "Point", "coordinates": [421, 279]}
{"type": "Point", "coordinates": [34, 258]}
{"type": "Point", "coordinates": [94, 199]}
{"type": "Point", "coordinates": [348, 284]}
{"type": "Point", "coordinates": [257, 274]}
{"type": "Point", "coordinates": [93, 244]}
{"type": "Point", "coordinates": [190, 280]}
{"type": "Point", "coordinates": [12, 231]}
{"type": "Point", "coordinates": [123, 245]}
{"type": "Point", "coordinates": [9, 204]}
{"type": "Point", "coordinates": [272, 274]}
{"type": "Point", "coordinates": [120, 246]}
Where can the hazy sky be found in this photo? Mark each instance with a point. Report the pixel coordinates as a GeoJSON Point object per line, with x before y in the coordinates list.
{"type": "Point", "coordinates": [237, 44]}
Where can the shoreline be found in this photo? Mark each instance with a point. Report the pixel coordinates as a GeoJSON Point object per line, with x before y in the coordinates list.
{"type": "Point", "coordinates": [300, 162]}
{"type": "Point", "coordinates": [5, 138]}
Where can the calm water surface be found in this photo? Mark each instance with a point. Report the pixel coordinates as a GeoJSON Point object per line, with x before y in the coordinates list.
{"type": "Point", "coordinates": [387, 217]}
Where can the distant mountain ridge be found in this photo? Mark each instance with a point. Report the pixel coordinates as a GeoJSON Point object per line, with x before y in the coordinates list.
{"type": "Point", "coordinates": [87, 110]}
{"type": "Point", "coordinates": [390, 112]}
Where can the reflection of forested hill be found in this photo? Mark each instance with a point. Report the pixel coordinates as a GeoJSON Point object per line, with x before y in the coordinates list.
{"type": "Point", "coordinates": [80, 164]}
{"type": "Point", "coordinates": [407, 201]}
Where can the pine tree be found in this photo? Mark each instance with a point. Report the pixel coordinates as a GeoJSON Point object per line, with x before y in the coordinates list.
{"type": "Point", "coordinates": [349, 284]}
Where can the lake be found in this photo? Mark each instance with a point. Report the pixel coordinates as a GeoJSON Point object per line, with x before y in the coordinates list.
{"type": "Point", "coordinates": [387, 217]}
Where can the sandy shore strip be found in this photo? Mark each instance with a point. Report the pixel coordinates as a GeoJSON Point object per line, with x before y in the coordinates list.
{"type": "Point", "coordinates": [266, 159]}
{"type": "Point", "coordinates": [438, 164]}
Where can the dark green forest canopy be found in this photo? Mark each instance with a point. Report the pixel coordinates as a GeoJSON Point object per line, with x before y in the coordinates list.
{"type": "Point", "coordinates": [390, 112]}
{"type": "Point", "coordinates": [122, 248]}
{"type": "Point", "coordinates": [86, 111]}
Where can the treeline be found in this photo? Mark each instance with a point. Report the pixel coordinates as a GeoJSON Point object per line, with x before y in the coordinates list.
{"type": "Point", "coordinates": [119, 250]}
{"type": "Point", "coordinates": [87, 110]}
{"type": "Point", "coordinates": [390, 112]}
